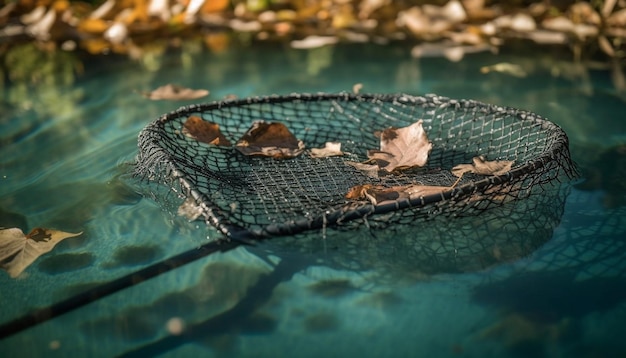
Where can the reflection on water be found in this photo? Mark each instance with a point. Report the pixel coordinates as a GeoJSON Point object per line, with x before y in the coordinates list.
{"type": "Point", "coordinates": [64, 130]}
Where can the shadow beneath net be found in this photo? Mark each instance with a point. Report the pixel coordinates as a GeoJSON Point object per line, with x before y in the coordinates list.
{"type": "Point", "coordinates": [469, 240]}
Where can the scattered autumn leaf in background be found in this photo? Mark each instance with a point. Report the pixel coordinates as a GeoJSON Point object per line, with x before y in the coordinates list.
{"type": "Point", "coordinates": [506, 68]}
{"type": "Point", "coordinates": [483, 167]}
{"type": "Point", "coordinates": [204, 131]}
{"type": "Point", "coordinates": [18, 251]}
{"type": "Point", "coordinates": [402, 148]}
{"type": "Point", "coordinates": [378, 194]}
{"type": "Point", "coordinates": [331, 149]}
{"type": "Point", "coordinates": [175, 93]}
{"type": "Point", "coordinates": [270, 140]}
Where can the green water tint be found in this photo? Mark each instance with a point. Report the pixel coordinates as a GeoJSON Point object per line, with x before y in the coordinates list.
{"type": "Point", "coordinates": [63, 140]}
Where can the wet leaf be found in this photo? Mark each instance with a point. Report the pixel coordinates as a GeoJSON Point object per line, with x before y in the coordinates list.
{"type": "Point", "coordinates": [331, 149]}
{"type": "Point", "coordinates": [483, 167]}
{"type": "Point", "coordinates": [270, 140]}
{"type": "Point", "coordinates": [175, 93]}
{"type": "Point", "coordinates": [190, 209]}
{"type": "Point", "coordinates": [402, 148]}
{"type": "Point", "coordinates": [378, 194]}
{"type": "Point", "coordinates": [204, 131]}
{"type": "Point", "coordinates": [18, 251]}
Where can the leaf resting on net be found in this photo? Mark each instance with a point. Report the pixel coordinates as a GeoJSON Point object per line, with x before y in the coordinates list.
{"type": "Point", "coordinates": [270, 140]}
{"type": "Point", "coordinates": [371, 170]}
{"type": "Point", "coordinates": [378, 194]}
{"type": "Point", "coordinates": [174, 93]}
{"type": "Point", "coordinates": [402, 148]}
{"type": "Point", "coordinates": [204, 131]}
{"type": "Point", "coordinates": [483, 167]}
{"type": "Point", "coordinates": [331, 149]}
{"type": "Point", "coordinates": [18, 251]}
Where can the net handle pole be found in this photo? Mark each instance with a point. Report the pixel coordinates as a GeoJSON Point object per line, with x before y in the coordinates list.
{"type": "Point", "coordinates": [47, 313]}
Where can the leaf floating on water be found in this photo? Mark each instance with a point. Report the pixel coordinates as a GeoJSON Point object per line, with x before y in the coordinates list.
{"type": "Point", "coordinates": [18, 251]}
{"type": "Point", "coordinates": [378, 194]}
{"type": "Point", "coordinates": [189, 209]}
{"type": "Point", "coordinates": [402, 148]}
{"type": "Point", "coordinates": [331, 149]}
{"type": "Point", "coordinates": [483, 167]}
{"type": "Point", "coordinates": [175, 93]}
{"type": "Point", "coordinates": [505, 67]}
{"type": "Point", "coordinates": [204, 131]}
{"type": "Point", "coordinates": [270, 140]}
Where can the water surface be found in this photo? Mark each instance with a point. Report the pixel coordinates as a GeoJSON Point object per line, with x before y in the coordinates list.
{"type": "Point", "coordinates": [68, 128]}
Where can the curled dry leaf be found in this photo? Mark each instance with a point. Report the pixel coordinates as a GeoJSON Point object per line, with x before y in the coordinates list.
{"type": "Point", "coordinates": [270, 140]}
{"type": "Point", "coordinates": [18, 251]}
{"type": "Point", "coordinates": [204, 131]}
{"type": "Point", "coordinates": [378, 194]}
{"type": "Point", "coordinates": [331, 149]}
{"type": "Point", "coordinates": [175, 93]}
{"type": "Point", "coordinates": [483, 167]}
{"type": "Point", "coordinates": [402, 148]}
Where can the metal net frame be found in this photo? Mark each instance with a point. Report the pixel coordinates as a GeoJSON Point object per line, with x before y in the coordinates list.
{"type": "Point", "coordinates": [254, 197]}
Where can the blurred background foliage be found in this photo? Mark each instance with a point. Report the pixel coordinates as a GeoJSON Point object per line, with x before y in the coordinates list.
{"type": "Point", "coordinates": [44, 43]}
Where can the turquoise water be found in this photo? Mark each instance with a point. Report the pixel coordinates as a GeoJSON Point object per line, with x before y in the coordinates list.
{"type": "Point", "coordinates": [66, 134]}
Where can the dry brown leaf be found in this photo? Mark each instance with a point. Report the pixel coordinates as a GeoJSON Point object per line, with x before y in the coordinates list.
{"type": "Point", "coordinates": [270, 140]}
{"type": "Point", "coordinates": [175, 93]}
{"type": "Point", "coordinates": [378, 194]}
{"type": "Point", "coordinates": [483, 167]}
{"type": "Point", "coordinates": [402, 148]}
{"type": "Point", "coordinates": [204, 131]}
{"type": "Point", "coordinates": [357, 192]}
{"type": "Point", "coordinates": [331, 149]}
{"type": "Point", "coordinates": [18, 251]}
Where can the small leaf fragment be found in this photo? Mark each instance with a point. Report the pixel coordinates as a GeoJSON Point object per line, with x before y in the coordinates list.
{"type": "Point", "coordinates": [378, 194]}
{"type": "Point", "coordinates": [189, 209]}
{"type": "Point", "coordinates": [174, 93]}
{"type": "Point", "coordinates": [270, 140]}
{"type": "Point", "coordinates": [402, 148]}
{"type": "Point", "coordinates": [483, 167]}
{"type": "Point", "coordinates": [18, 251]}
{"type": "Point", "coordinates": [371, 170]}
{"type": "Point", "coordinates": [204, 131]}
{"type": "Point", "coordinates": [331, 149]}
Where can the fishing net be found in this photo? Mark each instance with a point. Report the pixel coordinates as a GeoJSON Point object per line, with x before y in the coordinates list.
{"type": "Point", "coordinates": [251, 197]}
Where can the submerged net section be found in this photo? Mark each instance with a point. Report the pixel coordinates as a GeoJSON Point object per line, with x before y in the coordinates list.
{"type": "Point", "coordinates": [257, 197]}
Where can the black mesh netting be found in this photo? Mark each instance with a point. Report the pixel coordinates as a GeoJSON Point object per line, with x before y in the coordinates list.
{"type": "Point", "coordinates": [480, 219]}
